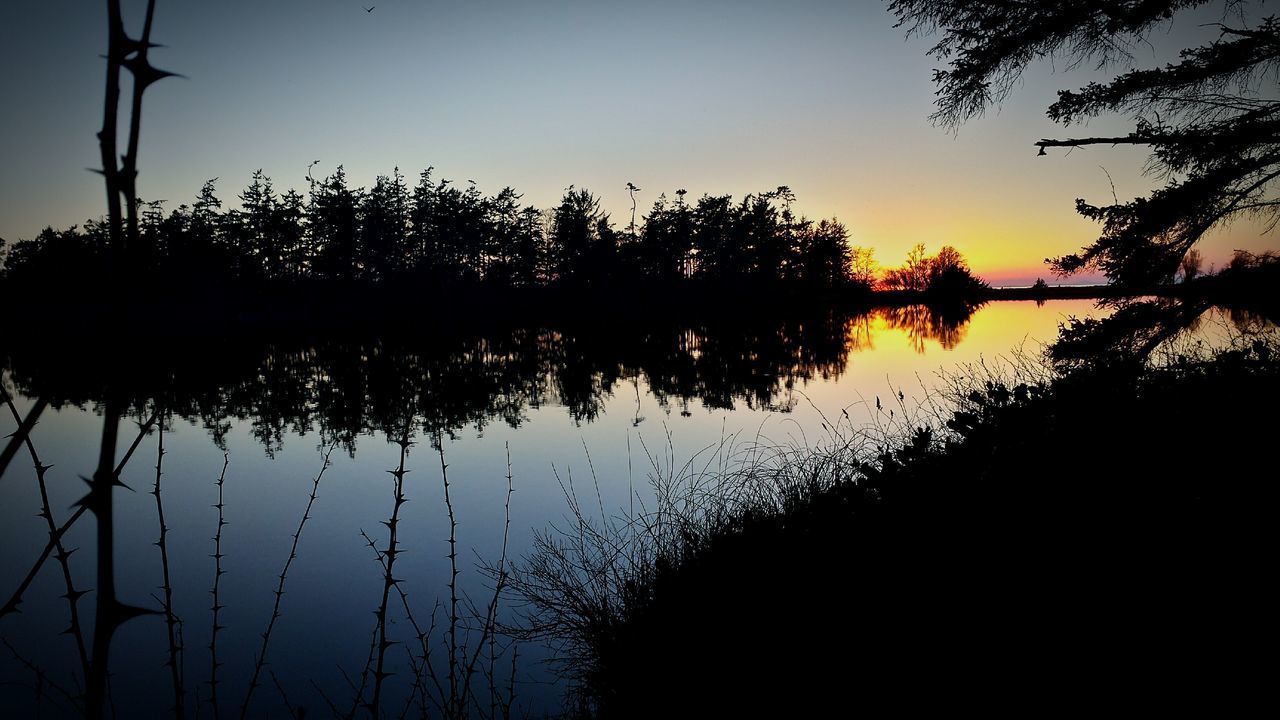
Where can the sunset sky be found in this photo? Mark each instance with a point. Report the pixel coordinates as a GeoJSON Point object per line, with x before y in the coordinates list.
{"type": "Point", "coordinates": [711, 96]}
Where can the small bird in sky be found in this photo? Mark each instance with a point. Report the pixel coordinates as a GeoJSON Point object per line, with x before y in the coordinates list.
{"type": "Point", "coordinates": [369, 9]}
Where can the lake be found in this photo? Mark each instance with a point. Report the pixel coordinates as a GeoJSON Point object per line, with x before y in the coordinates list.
{"type": "Point", "coordinates": [588, 411]}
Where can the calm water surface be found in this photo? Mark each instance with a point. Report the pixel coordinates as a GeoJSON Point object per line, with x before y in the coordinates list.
{"type": "Point", "coordinates": [566, 407]}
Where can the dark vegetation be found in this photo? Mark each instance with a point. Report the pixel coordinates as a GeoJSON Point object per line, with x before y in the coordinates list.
{"type": "Point", "coordinates": [1086, 528]}
{"type": "Point", "coordinates": [1092, 534]}
{"type": "Point", "coordinates": [1209, 118]}
{"type": "Point", "coordinates": [438, 240]}
{"type": "Point", "coordinates": [1046, 543]}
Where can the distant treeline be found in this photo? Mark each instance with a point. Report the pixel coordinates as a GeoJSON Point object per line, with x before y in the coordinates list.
{"type": "Point", "coordinates": [441, 232]}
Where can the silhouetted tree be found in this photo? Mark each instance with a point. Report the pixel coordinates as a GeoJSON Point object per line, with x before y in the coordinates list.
{"type": "Point", "coordinates": [863, 268]}
{"type": "Point", "coordinates": [761, 234]}
{"type": "Point", "coordinates": [423, 250]}
{"type": "Point", "coordinates": [441, 233]}
{"type": "Point", "coordinates": [196, 248]}
{"type": "Point", "coordinates": [289, 230]}
{"type": "Point", "coordinates": [944, 274]}
{"type": "Point", "coordinates": [251, 231]}
{"type": "Point", "coordinates": [914, 275]}
{"type": "Point", "coordinates": [824, 254]}
{"type": "Point", "coordinates": [469, 231]}
{"type": "Point", "coordinates": [666, 241]}
{"type": "Point", "coordinates": [69, 255]}
{"type": "Point", "coordinates": [949, 274]}
{"type": "Point", "coordinates": [575, 237]}
{"type": "Point", "coordinates": [335, 227]}
{"type": "Point", "coordinates": [714, 256]}
{"type": "Point", "coordinates": [515, 240]}
{"type": "Point", "coordinates": [384, 220]}
{"type": "Point", "coordinates": [1209, 119]}
{"type": "Point", "coordinates": [449, 229]}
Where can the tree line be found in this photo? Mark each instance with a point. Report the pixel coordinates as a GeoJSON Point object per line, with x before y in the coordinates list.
{"type": "Point", "coordinates": [451, 234]}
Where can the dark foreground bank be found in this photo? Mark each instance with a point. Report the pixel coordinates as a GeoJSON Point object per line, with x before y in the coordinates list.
{"type": "Point", "coordinates": [1102, 539]}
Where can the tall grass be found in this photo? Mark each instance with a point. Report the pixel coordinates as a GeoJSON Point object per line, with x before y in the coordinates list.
{"type": "Point", "coordinates": [950, 500]}
{"type": "Point", "coordinates": [173, 624]}
{"type": "Point", "coordinates": [261, 657]}
{"type": "Point", "coordinates": [215, 591]}
{"type": "Point", "coordinates": [63, 555]}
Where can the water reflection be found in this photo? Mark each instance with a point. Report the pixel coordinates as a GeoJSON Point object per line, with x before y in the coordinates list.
{"type": "Point", "coordinates": [347, 388]}
{"type": "Point", "coordinates": [945, 324]}
{"type": "Point", "coordinates": [518, 385]}
{"type": "Point", "coordinates": [412, 390]}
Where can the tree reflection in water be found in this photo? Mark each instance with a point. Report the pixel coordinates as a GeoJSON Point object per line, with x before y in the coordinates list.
{"type": "Point", "coordinates": [348, 387]}
{"type": "Point", "coordinates": [397, 387]}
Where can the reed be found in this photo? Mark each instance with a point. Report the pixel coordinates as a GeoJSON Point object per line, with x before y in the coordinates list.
{"type": "Point", "coordinates": [24, 427]}
{"type": "Point", "coordinates": [172, 622]}
{"type": "Point", "coordinates": [44, 684]}
{"type": "Point", "coordinates": [15, 600]}
{"type": "Point", "coordinates": [451, 693]}
{"type": "Point", "coordinates": [63, 555]}
{"type": "Point", "coordinates": [261, 658]}
{"type": "Point", "coordinates": [110, 612]}
{"type": "Point", "coordinates": [451, 707]}
{"type": "Point", "coordinates": [215, 591]}
{"type": "Point", "coordinates": [389, 579]}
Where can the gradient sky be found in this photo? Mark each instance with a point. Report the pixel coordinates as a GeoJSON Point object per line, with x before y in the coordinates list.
{"type": "Point", "coordinates": [714, 97]}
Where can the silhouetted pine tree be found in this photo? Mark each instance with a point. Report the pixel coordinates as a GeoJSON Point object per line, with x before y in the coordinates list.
{"type": "Point", "coordinates": [574, 234]}
{"type": "Point", "coordinates": [335, 227]}
{"type": "Point", "coordinates": [289, 229]}
{"type": "Point", "coordinates": [666, 242]}
{"type": "Point", "coordinates": [823, 253]}
{"type": "Point", "coordinates": [250, 231]}
{"type": "Point", "coordinates": [384, 232]}
{"type": "Point", "coordinates": [713, 236]}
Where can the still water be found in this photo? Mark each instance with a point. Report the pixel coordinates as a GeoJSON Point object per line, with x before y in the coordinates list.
{"type": "Point", "coordinates": [590, 410]}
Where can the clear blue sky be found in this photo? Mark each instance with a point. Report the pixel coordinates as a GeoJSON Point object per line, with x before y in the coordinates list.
{"type": "Point", "coordinates": [712, 96]}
